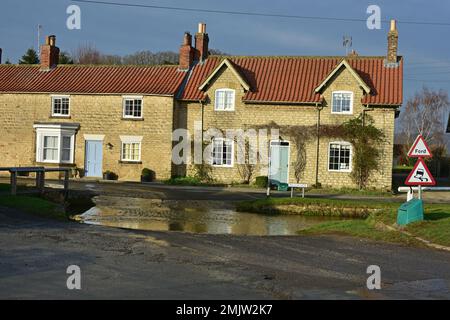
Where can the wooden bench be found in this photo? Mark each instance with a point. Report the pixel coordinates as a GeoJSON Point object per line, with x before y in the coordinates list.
{"type": "Point", "coordinates": [297, 185]}
{"type": "Point", "coordinates": [40, 177]}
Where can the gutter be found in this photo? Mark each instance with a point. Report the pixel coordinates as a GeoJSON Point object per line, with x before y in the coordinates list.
{"type": "Point", "coordinates": [319, 108]}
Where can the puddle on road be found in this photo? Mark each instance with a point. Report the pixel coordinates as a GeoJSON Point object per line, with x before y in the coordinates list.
{"type": "Point", "coordinates": [213, 217]}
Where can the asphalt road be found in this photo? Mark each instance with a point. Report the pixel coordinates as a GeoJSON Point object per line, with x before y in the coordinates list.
{"type": "Point", "coordinates": [126, 264]}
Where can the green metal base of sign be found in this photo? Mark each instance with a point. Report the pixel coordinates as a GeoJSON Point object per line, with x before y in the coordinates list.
{"type": "Point", "coordinates": [410, 211]}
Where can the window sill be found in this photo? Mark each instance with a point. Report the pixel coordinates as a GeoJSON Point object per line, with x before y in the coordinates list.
{"type": "Point", "coordinates": [132, 119]}
{"type": "Point", "coordinates": [342, 113]}
{"type": "Point", "coordinates": [60, 117]}
{"type": "Point", "coordinates": [222, 166]}
{"type": "Point", "coordinates": [340, 171]}
{"type": "Point", "coordinates": [129, 162]}
{"type": "Point", "coordinates": [56, 163]}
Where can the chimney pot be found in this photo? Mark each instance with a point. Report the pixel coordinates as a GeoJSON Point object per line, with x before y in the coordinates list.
{"type": "Point", "coordinates": [52, 40]}
{"type": "Point", "coordinates": [393, 25]}
{"type": "Point", "coordinates": [202, 27]}
{"type": "Point", "coordinates": [187, 39]}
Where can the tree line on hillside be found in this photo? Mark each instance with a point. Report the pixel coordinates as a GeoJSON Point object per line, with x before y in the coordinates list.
{"type": "Point", "coordinates": [88, 54]}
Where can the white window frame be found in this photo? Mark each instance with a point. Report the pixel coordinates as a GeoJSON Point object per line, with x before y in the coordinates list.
{"type": "Point", "coordinates": [126, 98]}
{"type": "Point", "coordinates": [222, 108]}
{"type": "Point", "coordinates": [128, 140]}
{"type": "Point", "coordinates": [232, 152]}
{"type": "Point", "coordinates": [340, 143]}
{"type": "Point", "coordinates": [351, 102]}
{"type": "Point", "coordinates": [59, 131]}
{"type": "Point", "coordinates": [60, 115]}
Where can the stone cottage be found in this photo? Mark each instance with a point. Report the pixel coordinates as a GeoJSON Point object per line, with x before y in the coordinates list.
{"type": "Point", "coordinates": [121, 118]}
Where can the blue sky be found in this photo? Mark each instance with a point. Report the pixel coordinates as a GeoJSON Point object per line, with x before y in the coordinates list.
{"type": "Point", "coordinates": [119, 30]}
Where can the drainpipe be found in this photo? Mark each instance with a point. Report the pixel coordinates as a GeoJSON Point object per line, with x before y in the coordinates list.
{"type": "Point", "coordinates": [319, 108]}
{"type": "Point", "coordinates": [367, 109]}
{"type": "Point", "coordinates": [202, 117]}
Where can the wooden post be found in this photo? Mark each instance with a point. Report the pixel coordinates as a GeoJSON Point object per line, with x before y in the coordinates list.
{"type": "Point", "coordinates": [41, 182]}
{"type": "Point", "coordinates": [66, 184]}
{"type": "Point", "coordinates": [38, 177]}
{"type": "Point", "coordinates": [13, 182]}
{"type": "Point", "coordinates": [292, 192]}
{"type": "Point", "coordinates": [303, 192]}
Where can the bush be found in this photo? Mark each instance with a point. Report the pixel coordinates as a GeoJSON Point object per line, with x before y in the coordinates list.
{"type": "Point", "coordinates": [261, 181]}
{"type": "Point", "coordinates": [109, 175]}
{"type": "Point", "coordinates": [203, 173]}
{"type": "Point", "coordinates": [188, 180]}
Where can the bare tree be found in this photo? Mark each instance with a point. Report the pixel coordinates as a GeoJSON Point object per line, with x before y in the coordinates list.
{"type": "Point", "coordinates": [425, 114]}
{"type": "Point", "coordinates": [111, 59]}
{"type": "Point", "coordinates": [87, 54]}
{"type": "Point", "coordinates": [150, 58]}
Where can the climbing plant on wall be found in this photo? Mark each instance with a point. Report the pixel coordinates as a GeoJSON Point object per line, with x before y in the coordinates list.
{"type": "Point", "coordinates": [364, 137]}
{"type": "Point", "coordinates": [360, 132]}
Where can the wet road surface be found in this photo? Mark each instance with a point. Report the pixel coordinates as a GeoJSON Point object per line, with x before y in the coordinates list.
{"type": "Point", "coordinates": [124, 264]}
{"type": "Point", "coordinates": [196, 216]}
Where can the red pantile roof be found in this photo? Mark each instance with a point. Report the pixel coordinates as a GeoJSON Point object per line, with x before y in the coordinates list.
{"type": "Point", "coordinates": [157, 80]}
{"type": "Point", "coordinates": [294, 79]}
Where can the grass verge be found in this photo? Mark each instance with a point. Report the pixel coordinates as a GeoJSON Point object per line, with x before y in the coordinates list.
{"type": "Point", "coordinates": [435, 227]}
{"type": "Point", "coordinates": [349, 191]}
{"type": "Point", "coordinates": [33, 205]}
{"type": "Point", "coordinates": [312, 207]}
{"type": "Point", "coordinates": [4, 187]}
{"type": "Point", "coordinates": [361, 229]}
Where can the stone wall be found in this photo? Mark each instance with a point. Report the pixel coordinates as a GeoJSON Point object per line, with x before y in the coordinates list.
{"type": "Point", "coordinates": [98, 115]}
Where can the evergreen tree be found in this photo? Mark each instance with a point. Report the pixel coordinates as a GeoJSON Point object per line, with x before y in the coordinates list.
{"type": "Point", "coordinates": [30, 57]}
{"type": "Point", "coordinates": [65, 58]}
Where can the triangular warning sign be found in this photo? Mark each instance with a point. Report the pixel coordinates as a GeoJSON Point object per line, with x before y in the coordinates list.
{"type": "Point", "coordinates": [419, 149]}
{"type": "Point", "coordinates": [420, 175]}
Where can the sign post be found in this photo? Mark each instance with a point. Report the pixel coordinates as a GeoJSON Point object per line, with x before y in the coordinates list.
{"type": "Point", "coordinates": [412, 209]}
{"type": "Point", "coordinates": [420, 175]}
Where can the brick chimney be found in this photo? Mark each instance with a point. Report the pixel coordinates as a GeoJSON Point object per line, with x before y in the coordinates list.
{"type": "Point", "coordinates": [186, 52]}
{"type": "Point", "coordinates": [49, 54]}
{"type": "Point", "coordinates": [392, 38]}
{"type": "Point", "coordinates": [201, 43]}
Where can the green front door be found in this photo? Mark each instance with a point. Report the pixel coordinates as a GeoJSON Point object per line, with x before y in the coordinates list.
{"type": "Point", "coordinates": [279, 164]}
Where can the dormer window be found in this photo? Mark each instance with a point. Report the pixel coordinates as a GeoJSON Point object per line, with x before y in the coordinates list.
{"type": "Point", "coordinates": [342, 102]}
{"type": "Point", "coordinates": [224, 100]}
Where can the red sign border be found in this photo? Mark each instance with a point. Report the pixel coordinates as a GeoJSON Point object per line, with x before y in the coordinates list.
{"type": "Point", "coordinates": [419, 137]}
{"type": "Point", "coordinates": [430, 183]}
